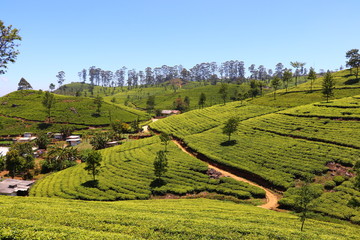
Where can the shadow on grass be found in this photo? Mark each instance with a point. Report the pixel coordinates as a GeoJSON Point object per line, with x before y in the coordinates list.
{"type": "Point", "coordinates": [352, 81]}
{"type": "Point", "coordinates": [228, 143]}
{"type": "Point", "coordinates": [157, 183]}
{"type": "Point", "coordinates": [43, 126]}
{"type": "Point", "coordinates": [95, 115]}
{"type": "Point", "coordinates": [91, 184]}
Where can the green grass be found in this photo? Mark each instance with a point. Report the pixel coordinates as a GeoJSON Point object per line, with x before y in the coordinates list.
{"type": "Point", "coordinates": [127, 173]}
{"type": "Point", "coordinates": [43, 218]}
{"type": "Point", "coordinates": [75, 110]}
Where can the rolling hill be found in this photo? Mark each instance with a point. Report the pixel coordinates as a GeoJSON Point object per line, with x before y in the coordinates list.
{"type": "Point", "coordinates": [23, 110]}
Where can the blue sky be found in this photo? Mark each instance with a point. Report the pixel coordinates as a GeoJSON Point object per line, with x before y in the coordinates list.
{"type": "Point", "coordinates": [72, 35]}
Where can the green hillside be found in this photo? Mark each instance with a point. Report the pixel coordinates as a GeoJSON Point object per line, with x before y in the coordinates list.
{"type": "Point", "coordinates": [23, 110]}
{"type": "Point", "coordinates": [281, 145]}
{"type": "Point", "coordinates": [127, 173]}
{"type": "Point", "coordinates": [165, 94]}
{"type": "Point", "coordinates": [44, 218]}
{"type": "Point", "coordinates": [345, 86]}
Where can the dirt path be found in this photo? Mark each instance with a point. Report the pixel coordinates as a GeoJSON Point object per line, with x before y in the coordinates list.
{"type": "Point", "coordinates": [271, 198]}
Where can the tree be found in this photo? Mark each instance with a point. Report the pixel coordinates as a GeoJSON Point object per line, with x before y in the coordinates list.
{"type": "Point", "coordinates": [311, 77]}
{"type": "Point", "coordinates": [187, 102]}
{"type": "Point", "coordinates": [51, 87]}
{"type": "Point", "coordinates": [254, 88]}
{"type": "Point", "coordinates": [230, 126]}
{"type": "Point", "coordinates": [99, 141]}
{"type": "Point", "coordinates": [48, 102]}
{"type": "Point", "coordinates": [61, 77]}
{"type": "Point", "coordinates": [98, 103]}
{"type": "Point", "coordinates": [202, 100]}
{"type": "Point", "coordinates": [8, 45]}
{"type": "Point", "coordinates": [24, 85]}
{"type": "Point", "coordinates": [328, 86]}
{"type": "Point", "coordinates": [93, 163]}
{"type": "Point", "coordinates": [297, 66]}
{"type": "Point", "coordinates": [14, 162]}
{"type": "Point", "coordinates": [353, 57]}
{"type": "Point", "coordinates": [165, 139]}
{"type": "Point", "coordinates": [59, 158]}
{"type": "Point", "coordinates": [160, 164]}
{"type": "Point", "coordinates": [286, 78]}
{"type": "Point", "coordinates": [66, 130]}
{"type": "Point", "coordinates": [223, 91]}
{"type": "Point", "coordinates": [42, 141]}
{"type": "Point", "coordinates": [150, 102]}
{"type": "Point", "coordinates": [304, 200]}
{"type": "Point", "coordinates": [275, 84]}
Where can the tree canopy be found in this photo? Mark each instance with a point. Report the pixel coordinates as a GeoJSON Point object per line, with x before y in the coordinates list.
{"type": "Point", "coordinates": [24, 85]}
{"type": "Point", "coordinates": [8, 44]}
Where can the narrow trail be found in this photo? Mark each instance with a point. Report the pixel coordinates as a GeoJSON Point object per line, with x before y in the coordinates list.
{"type": "Point", "coordinates": [271, 198]}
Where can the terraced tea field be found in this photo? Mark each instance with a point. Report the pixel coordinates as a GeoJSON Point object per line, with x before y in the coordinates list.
{"type": "Point", "coordinates": [278, 147]}
{"type": "Point", "coordinates": [200, 120]}
{"type": "Point", "coordinates": [50, 218]}
{"type": "Point", "coordinates": [127, 173]}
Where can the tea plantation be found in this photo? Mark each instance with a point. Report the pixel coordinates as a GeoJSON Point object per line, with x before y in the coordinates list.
{"type": "Point", "coordinates": [51, 218]}
{"type": "Point", "coordinates": [128, 173]}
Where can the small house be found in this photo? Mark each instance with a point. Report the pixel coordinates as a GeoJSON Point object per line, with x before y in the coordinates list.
{"type": "Point", "coordinates": [25, 139]}
{"type": "Point", "coordinates": [169, 112]}
{"type": "Point", "coordinates": [73, 140]}
{"type": "Point", "coordinates": [15, 187]}
{"type": "Point", "coordinates": [27, 135]}
{"type": "Point", "coordinates": [58, 136]}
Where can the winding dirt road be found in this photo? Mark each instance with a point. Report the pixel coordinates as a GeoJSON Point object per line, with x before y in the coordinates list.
{"type": "Point", "coordinates": [271, 198]}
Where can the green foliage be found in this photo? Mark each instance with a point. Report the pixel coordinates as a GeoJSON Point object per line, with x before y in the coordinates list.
{"type": "Point", "coordinates": [99, 140]}
{"type": "Point", "coordinates": [165, 139]}
{"type": "Point", "coordinates": [98, 103]}
{"type": "Point", "coordinates": [328, 86]}
{"type": "Point", "coordinates": [202, 100]}
{"type": "Point", "coordinates": [8, 45]}
{"type": "Point", "coordinates": [23, 148]}
{"type": "Point", "coordinates": [150, 103]}
{"type": "Point", "coordinates": [353, 57]}
{"type": "Point", "coordinates": [329, 185]}
{"type": "Point", "coordinates": [58, 158]}
{"type": "Point", "coordinates": [230, 126]}
{"type": "Point", "coordinates": [48, 102]}
{"type": "Point", "coordinates": [339, 180]}
{"type": "Point", "coordinates": [224, 91]}
{"type": "Point", "coordinates": [287, 78]}
{"type": "Point", "coordinates": [93, 163]}
{"type": "Point", "coordinates": [275, 84]}
{"type": "Point", "coordinates": [311, 77]}
{"type": "Point", "coordinates": [160, 164]}
{"type": "Point", "coordinates": [14, 163]}
{"type": "Point", "coordinates": [42, 141]}
{"type": "Point", "coordinates": [304, 199]}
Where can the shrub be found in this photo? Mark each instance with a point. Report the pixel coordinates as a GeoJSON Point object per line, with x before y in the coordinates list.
{"type": "Point", "coordinates": [329, 185]}
{"type": "Point", "coordinates": [338, 180]}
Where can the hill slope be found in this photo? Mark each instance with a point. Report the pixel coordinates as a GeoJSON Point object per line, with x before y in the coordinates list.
{"type": "Point", "coordinates": [26, 106]}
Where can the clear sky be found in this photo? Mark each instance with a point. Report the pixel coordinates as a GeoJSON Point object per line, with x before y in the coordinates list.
{"type": "Point", "coordinates": [71, 35]}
